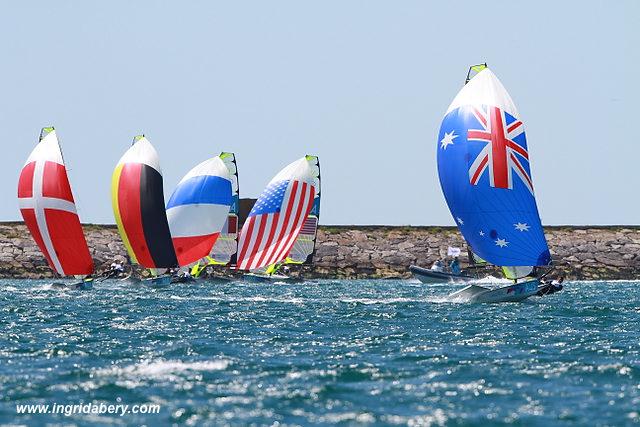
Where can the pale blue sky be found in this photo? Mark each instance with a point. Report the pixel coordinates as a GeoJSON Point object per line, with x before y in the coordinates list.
{"type": "Point", "coordinates": [362, 84]}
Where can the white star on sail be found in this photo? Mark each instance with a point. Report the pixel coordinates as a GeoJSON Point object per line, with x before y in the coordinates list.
{"type": "Point", "coordinates": [502, 243]}
{"type": "Point", "coordinates": [522, 227]}
{"type": "Point", "coordinates": [481, 233]}
{"type": "Point", "coordinates": [448, 139]}
{"type": "Point", "coordinates": [460, 221]}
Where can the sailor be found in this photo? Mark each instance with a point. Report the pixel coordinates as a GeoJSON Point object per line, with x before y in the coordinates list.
{"type": "Point", "coordinates": [551, 288]}
{"type": "Point", "coordinates": [114, 270]}
{"type": "Point", "coordinates": [455, 266]}
{"type": "Point", "coordinates": [557, 284]}
{"type": "Point", "coordinates": [437, 266]}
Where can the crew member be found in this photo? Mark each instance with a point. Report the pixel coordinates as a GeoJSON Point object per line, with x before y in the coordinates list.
{"type": "Point", "coordinates": [455, 266]}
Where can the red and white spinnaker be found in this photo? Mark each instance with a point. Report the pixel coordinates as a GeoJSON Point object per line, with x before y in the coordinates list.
{"type": "Point", "coordinates": [49, 210]}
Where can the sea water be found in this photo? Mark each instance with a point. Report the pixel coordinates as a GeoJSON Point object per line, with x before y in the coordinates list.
{"type": "Point", "coordinates": [332, 351]}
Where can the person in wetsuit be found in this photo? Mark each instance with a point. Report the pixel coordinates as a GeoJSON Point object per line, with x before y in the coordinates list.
{"type": "Point", "coordinates": [551, 288]}
{"type": "Point", "coordinates": [455, 266]}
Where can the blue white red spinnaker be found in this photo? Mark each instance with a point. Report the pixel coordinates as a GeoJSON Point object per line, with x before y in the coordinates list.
{"type": "Point", "coordinates": [198, 209]}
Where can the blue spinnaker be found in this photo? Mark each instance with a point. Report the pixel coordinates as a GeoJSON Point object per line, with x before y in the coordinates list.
{"type": "Point", "coordinates": [484, 170]}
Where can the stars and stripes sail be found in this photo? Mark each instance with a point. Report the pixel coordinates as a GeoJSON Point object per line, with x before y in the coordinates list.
{"type": "Point", "coordinates": [198, 209]}
{"type": "Point", "coordinates": [484, 171]}
{"type": "Point", "coordinates": [137, 198]}
{"type": "Point", "coordinates": [304, 247]}
{"type": "Point", "coordinates": [49, 210]}
{"type": "Point", "coordinates": [278, 215]}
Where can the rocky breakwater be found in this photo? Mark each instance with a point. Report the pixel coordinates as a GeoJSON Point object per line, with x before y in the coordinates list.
{"type": "Point", "coordinates": [21, 257]}
{"type": "Point", "coordinates": [578, 252]}
{"type": "Point", "coordinates": [369, 251]}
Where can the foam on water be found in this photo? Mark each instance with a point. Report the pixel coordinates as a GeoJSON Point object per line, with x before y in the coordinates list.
{"type": "Point", "coordinates": [322, 352]}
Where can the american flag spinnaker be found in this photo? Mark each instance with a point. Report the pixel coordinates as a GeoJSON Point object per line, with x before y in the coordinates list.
{"type": "Point", "coordinates": [137, 198]}
{"type": "Point", "coordinates": [49, 210]}
{"type": "Point", "coordinates": [485, 175]}
{"type": "Point", "coordinates": [304, 247]}
{"type": "Point", "coordinates": [198, 209]}
{"type": "Point", "coordinates": [276, 219]}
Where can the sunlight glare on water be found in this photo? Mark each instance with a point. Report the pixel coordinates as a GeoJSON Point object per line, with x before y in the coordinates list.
{"type": "Point", "coordinates": [330, 351]}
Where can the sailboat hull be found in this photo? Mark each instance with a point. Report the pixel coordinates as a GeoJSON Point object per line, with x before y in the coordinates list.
{"type": "Point", "coordinates": [430, 277]}
{"type": "Point", "coordinates": [269, 278]}
{"type": "Point", "coordinates": [512, 293]}
{"type": "Point", "coordinates": [83, 285]}
{"type": "Point", "coordinates": [158, 281]}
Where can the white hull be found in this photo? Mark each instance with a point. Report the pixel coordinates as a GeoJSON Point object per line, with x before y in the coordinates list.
{"type": "Point", "coordinates": [511, 293]}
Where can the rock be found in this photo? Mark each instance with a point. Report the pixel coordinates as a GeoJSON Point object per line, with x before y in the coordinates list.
{"type": "Point", "coordinates": [617, 262]}
{"type": "Point", "coordinates": [385, 252]}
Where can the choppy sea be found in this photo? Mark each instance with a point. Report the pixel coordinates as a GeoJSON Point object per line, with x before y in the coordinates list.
{"type": "Point", "coordinates": [351, 352]}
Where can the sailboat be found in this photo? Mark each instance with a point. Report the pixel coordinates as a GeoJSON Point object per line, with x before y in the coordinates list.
{"type": "Point", "coordinates": [137, 199]}
{"type": "Point", "coordinates": [49, 211]}
{"type": "Point", "coordinates": [225, 249]}
{"type": "Point", "coordinates": [438, 275]}
{"type": "Point", "coordinates": [484, 171]}
{"type": "Point", "coordinates": [282, 225]}
{"type": "Point", "coordinates": [199, 208]}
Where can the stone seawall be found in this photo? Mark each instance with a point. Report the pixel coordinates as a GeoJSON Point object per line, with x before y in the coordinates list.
{"type": "Point", "coordinates": [369, 251]}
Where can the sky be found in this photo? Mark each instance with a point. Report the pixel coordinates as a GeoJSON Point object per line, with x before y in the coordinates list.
{"type": "Point", "coordinates": [362, 84]}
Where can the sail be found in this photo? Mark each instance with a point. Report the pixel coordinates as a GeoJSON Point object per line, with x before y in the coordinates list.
{"type": "Point", "coordinates": [474, 259]}
{"type": "Point", "coordinates": [474, 70]}
{"type": "Point", "coordinates": [305, 244]}
{"type": "Point", "coordinates": [278, 215]}
{"type": "Point", "coordinates": [485, 175]}
{"type": "Point", "coordinates": [517, 272]}
{"type": "Point", "coordinates": [198, 209]}
{"type": "Point", "coordinates": [226, 247]}
{"type": "Point", "coordinates": [138, 205]}
{"type": "Point", "coordinates": [49, 210]}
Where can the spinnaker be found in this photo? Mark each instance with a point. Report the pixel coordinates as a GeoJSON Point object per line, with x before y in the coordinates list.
{"type": "Point", "coordinates": [198, 209]}
{"type": "Point", "coordinates": [138, 206]}
{"type": "Point", "coordinates": [49, 210]}
{"type": "Point", "coordinates": [484, 170]}
{"type": "Point", "coordinates": [278, 215]}
{"type": "Point", "coordinates": [305, 244]}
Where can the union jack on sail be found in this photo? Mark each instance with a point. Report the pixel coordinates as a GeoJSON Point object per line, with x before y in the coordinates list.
{"type": "Point", "coordinates": [485, 175]}
{"type": "Point", "coordinates": [274, 223]}
{"type": "Point", "coordinates": [500, 155]}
